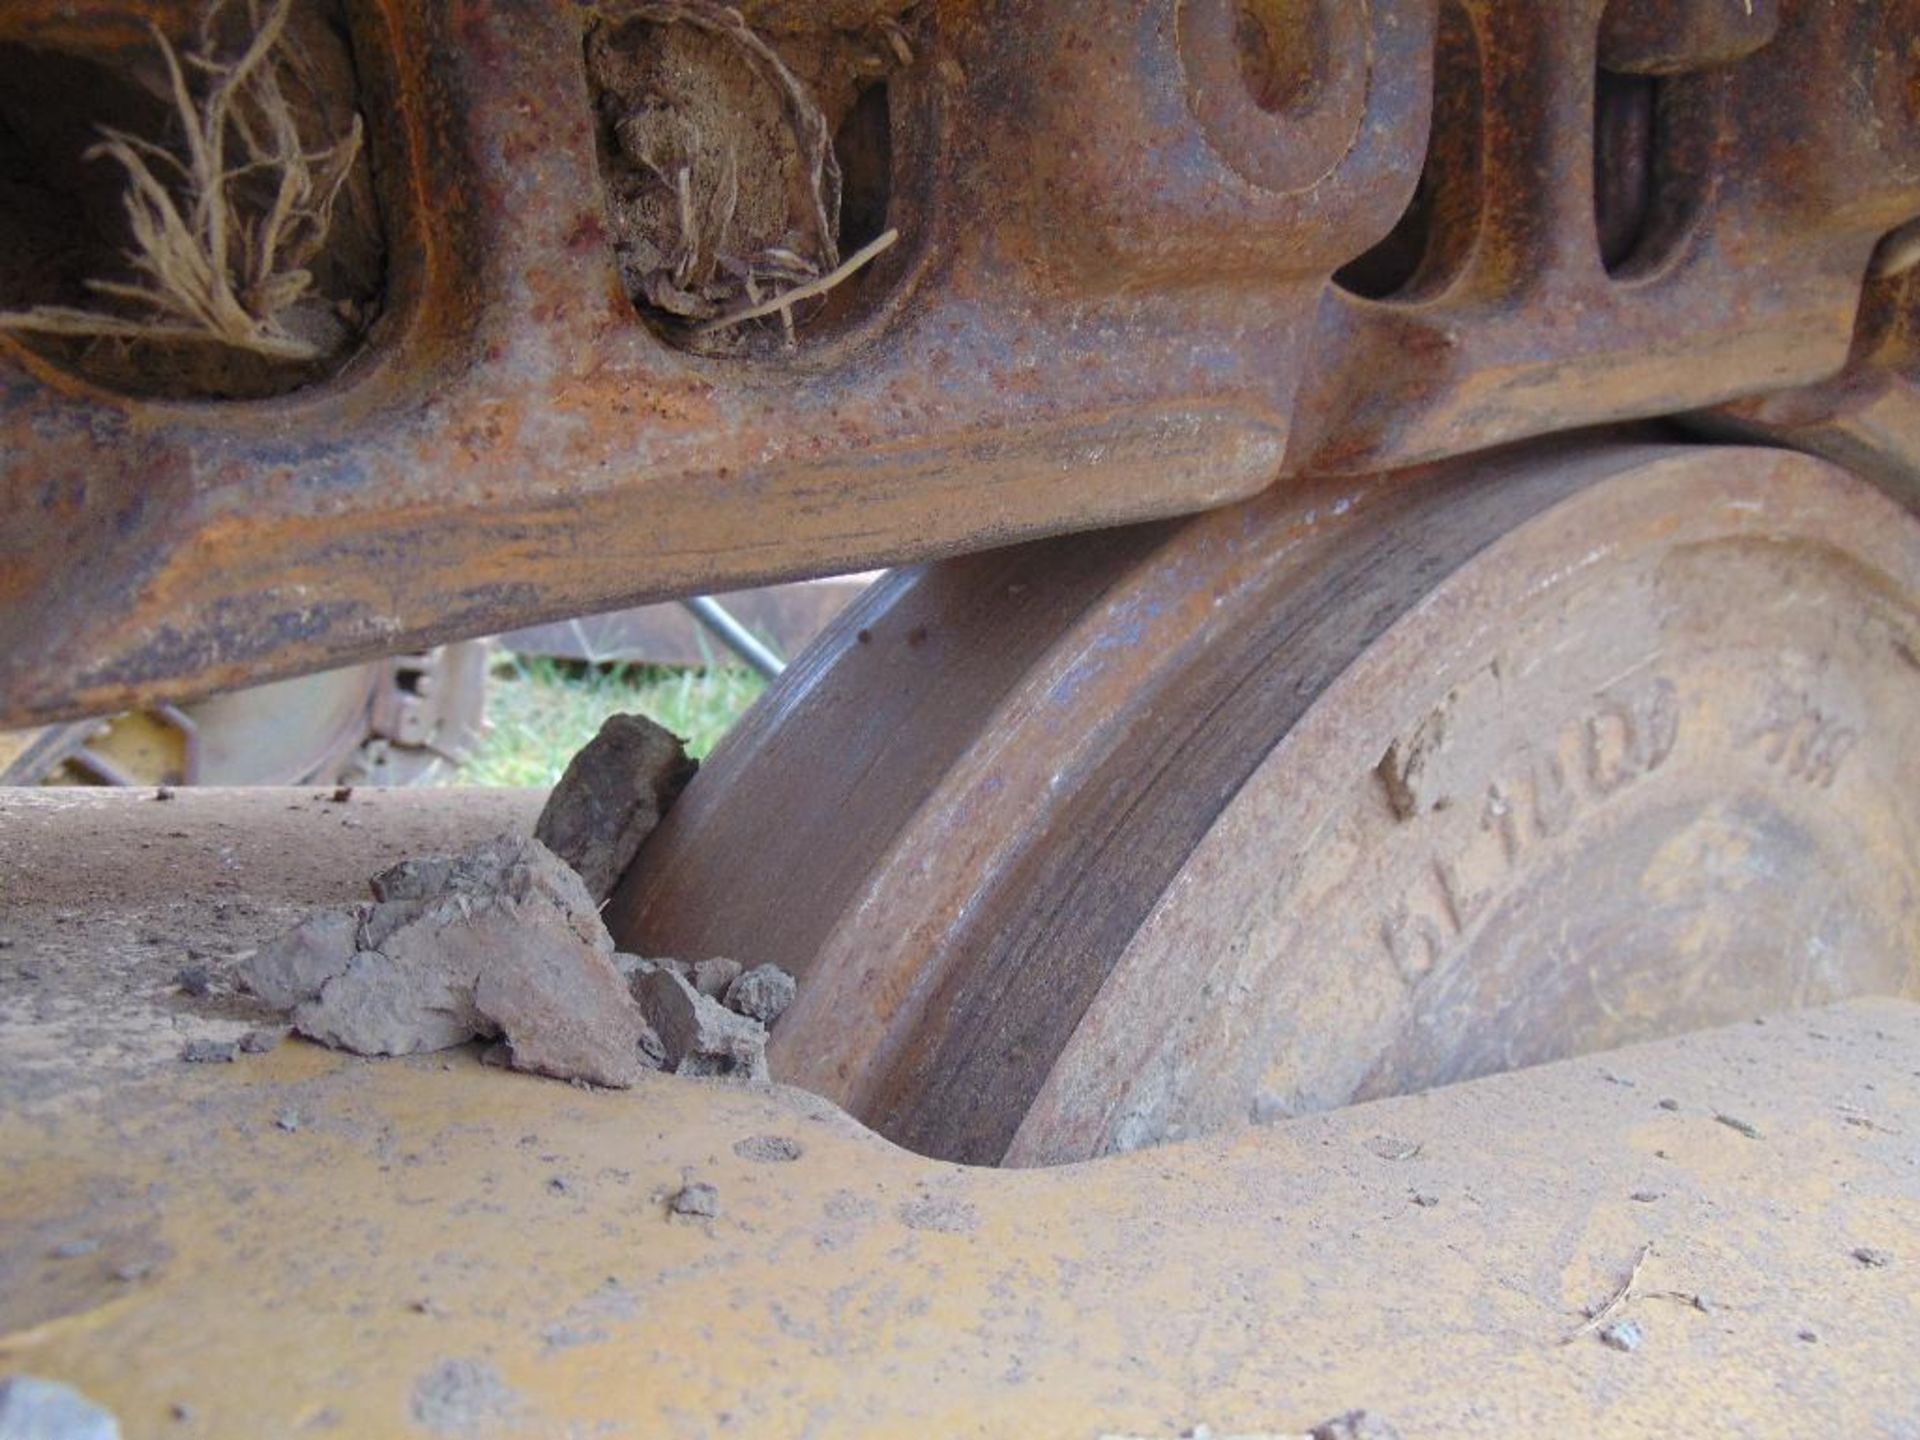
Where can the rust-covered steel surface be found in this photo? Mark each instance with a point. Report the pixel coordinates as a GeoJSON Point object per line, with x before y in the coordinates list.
{"type": "Point", "coordinates": [1868, 417]}
{"type": "Point", "coordinates": [1113, 299]}
{"type": "Point", "coordinates": [1685, 198]}
{"type": "Point", "coordinates": [491, 1254]}
{"type": "Point", "coordinates": [1354, 789]}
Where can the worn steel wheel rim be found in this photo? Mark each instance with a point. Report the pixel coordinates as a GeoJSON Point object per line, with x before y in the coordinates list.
{"type": "Point", "coordinates": [1351, 790]}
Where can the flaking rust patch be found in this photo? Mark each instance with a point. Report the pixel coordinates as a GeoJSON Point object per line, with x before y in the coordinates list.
{"type": "Point", "coordinates": [1426, 768]}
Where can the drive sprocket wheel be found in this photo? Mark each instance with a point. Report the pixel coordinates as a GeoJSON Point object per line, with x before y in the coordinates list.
{"type": "Point", "coordinates": [1352, 790]}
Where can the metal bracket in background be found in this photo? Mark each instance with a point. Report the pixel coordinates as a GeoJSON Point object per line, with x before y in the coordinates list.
{"type": "Point", "coordinates": [720, 622]}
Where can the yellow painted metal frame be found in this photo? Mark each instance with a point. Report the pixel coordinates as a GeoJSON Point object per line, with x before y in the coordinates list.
{"type": "Point", "coordinates": [301, 1242]}
{"type": "Point", "coordinates": [1427, 1259]}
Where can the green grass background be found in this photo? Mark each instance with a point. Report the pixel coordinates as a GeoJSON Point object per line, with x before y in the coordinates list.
{"type": "Point", "coordinates": [540, 712]}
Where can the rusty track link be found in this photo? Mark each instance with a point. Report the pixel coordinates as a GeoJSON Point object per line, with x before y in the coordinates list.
{"type": "Point", "coordinates": [1155, 257]}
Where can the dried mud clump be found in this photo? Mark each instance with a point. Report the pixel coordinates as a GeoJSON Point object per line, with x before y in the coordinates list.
{"type": "Point", "coordinates": [193, 217]}
{"type": "Point", "coordinates": [717, 149]}
{"type": "Point", "coordinates": [502, 942]}
{"type": "Point", "coordinates": [31, 1408]}
{"type": "Point", "coordinates": [613, 794]}
{"type": "Point", "coordinates": [700, 1033]}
